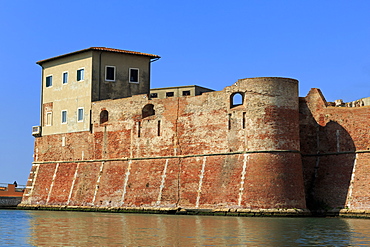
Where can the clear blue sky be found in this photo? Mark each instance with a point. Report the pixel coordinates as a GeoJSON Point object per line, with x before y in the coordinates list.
{"type": "Point", "coordinates": [322, 43]}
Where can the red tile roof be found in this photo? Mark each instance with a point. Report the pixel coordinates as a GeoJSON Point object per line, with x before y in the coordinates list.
{"type": "Point", "coordinates": [100, 49]}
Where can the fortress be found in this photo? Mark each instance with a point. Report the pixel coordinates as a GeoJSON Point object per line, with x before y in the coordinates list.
{"type": "Point", "coordinates": [108, 141]}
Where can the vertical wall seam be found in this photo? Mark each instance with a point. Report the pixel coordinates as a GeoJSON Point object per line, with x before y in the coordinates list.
{"type": "Point", "coordinates": [73, 184]}
{"type": "Point", "coordinates": [127, 174]}
{"type": "Point", "coordinates": [98, 182]}
{"type": "Point", "coordinates": [52, 182]}
{"type": "Point", "coordinates": [350, 189]}
{"type": "Point", "coordinates": [163, 179]}
{"type": "Point", "coordinates": [242, 181]}
{"type": "Point", "coordinates": [199, 191]}
{"type": "Point", "coordinates": [33, 181]}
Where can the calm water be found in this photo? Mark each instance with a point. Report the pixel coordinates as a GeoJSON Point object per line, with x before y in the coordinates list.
{"type": "Point", "coordinates": [44, 228]}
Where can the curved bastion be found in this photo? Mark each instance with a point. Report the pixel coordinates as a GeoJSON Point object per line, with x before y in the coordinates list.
{"type": "Point", "coordinates": [210, 151]}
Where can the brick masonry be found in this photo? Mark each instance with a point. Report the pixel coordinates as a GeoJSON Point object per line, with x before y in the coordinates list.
{"type": "Point", "coordinates": [274, 151]}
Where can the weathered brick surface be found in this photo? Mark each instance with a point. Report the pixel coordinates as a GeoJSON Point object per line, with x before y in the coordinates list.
{"type": "Point", "coordinates": [274, 151]}
{"type": "Point", "coordinates": [332, 139]}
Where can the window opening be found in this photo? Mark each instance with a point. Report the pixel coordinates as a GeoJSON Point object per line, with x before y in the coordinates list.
{"type": "Point", "coordinates": [153, 95]}
{"type": "Point", "coordinates": [169, 94]}
{"type": "Point", "coordinates": [147, 111]}
{"type": "Point", "coordinates": [64, 117]}
{"type": "Point", "coordinates": [65, 77]}
{"type": "Point", "coordinates": [186, 93]}
{"type": "Point", "coordinates": [110, 73]}
{"type": "Point", "coordinates": [80, 74]}
{"type": "Point", "coordinates": [229, 122]}
{"type": "Point", "coordinates": [236, 99]}
{"type": "Point", "coordinates": [244, 120]}
{"type": "Point", "coordinates": [80, 114]}
{"type": "Point", "coordinates": [159, 128]}
{"type": "Point", "coordinates": [134, 75]}
{"type": "Point", "coordinates": [103, 116]}
{"type": "Point", "coordinates": [49, 81]}
{"type": "Point", "coordinates": [138, 129]}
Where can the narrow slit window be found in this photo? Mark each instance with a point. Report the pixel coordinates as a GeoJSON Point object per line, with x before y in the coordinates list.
{"type": "Point", "coordinates": [159, 128]}
{"type": "Point", "coordinates": [134, 75]}
{"type": "Point", "coordinates": [229, 122]}
{"type": "Point", "coordinates": [110, 73]}
{"type": "Point", "coordinates": [138, 129]}
{"type": "Point", "coordinates": [243, 120]}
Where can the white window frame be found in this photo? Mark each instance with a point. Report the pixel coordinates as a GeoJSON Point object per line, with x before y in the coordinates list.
{"type": "Point", "coordinates": [114, 74]}
{"type": "Point", "coordinates": [51, 80]}
{"type": "Point", "coordinates": [83, 74]}
{"type": "Point", "coordinates": [138, 76]}
{"type": "Point", "coordinates": [51, 119]}
{"type": "Point", "coordinates": [78, 114]}
{"type": "Point", "coordinates": [61, 117]}
{"type": "Point", "coordinates": [65, 72]}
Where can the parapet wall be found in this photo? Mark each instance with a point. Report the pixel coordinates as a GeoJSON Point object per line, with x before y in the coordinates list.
{"type": "Point", "coordinates": [205, 151]}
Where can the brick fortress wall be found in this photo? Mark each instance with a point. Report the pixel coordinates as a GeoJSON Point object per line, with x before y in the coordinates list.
{"type": "Point", "coordinates": [335, 153]}
{"type": "Point", "coordinates": [191, 152]}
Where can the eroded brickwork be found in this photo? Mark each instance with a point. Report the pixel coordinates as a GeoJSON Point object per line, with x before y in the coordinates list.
{"type": "Point", "coordinates": [274, 150]}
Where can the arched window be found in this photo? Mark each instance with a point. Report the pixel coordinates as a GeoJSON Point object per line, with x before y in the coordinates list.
{"type": "Point", "coordinates": [148, 110]}
{"type": "Point", "coordinates": [236, 99]}
{"type": "Point", "coordinates": [103, 116]}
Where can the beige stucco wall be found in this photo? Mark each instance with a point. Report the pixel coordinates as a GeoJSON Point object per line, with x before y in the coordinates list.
{"type": "Point", "coordinates": [70, 96]}
{"type": "Point", "coordinates": [121, 87]}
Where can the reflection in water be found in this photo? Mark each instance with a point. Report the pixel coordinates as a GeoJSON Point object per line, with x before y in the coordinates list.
{"type": "Point", "coordinates": [92, 229]}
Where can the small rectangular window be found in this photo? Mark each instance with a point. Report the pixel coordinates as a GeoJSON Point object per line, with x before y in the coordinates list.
{"type": "Point", "coordinates": [169, 94]}
{"type": "Point", "coordinates": [64, 117]}
{"type": "Point", "coordinates": [134, 75]}
{"type": "Point", "coordinates": [80, 74]}
{"type": "Point", "coordinates": [186, 93]}
{"type": "Point", "coordinates": [49, 81]}
{"type": "Point", "coordinates": [80, 114]}
{"type": "Point", "coordinates": [110, 73]}
{"type": "Point", "coordinates": [153, 95]}
{"type": "Point", "coordinates": [65, 77]}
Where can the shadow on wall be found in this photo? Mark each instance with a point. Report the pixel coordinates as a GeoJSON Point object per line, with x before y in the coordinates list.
{"type": "Point", "coordinates": [328, 156]}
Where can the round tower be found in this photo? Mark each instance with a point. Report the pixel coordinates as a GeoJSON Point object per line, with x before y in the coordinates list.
{"type": "Point", "coordinates": [273, 166]}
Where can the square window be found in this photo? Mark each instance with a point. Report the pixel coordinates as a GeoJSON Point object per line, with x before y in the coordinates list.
{"type": "Point", "coordinates": [169, 94]}
{"type": "Point", "coordinates": [110, 73]}
{"type": "Point", "coordinates": [49, 81]}
{"type": "Point", "coordinates": [153, 95]}
{"type": "Point", "coordinates": [80, 114]}
{"type": "Point", "coordinates": [134, 75]}
{"type": "Point", "coordinates": [185, 93]}
{"type": "Point", "coordinates": [64, 117]}
{"type": "Point", "coordinates": [80, 74]}
{"type": "Point", "coordinates": [65, 77]}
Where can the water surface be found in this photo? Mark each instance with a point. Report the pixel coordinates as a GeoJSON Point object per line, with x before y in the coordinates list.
{"type": "Point", "coordinates": [60, 228]}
